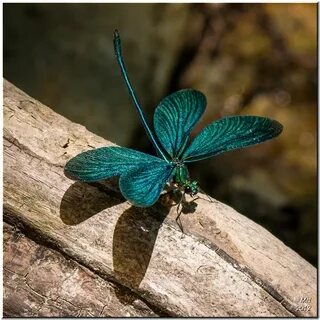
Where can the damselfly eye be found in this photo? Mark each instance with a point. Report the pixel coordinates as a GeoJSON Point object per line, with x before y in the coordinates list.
{"type": "Point", "coordinates": [188, 190]}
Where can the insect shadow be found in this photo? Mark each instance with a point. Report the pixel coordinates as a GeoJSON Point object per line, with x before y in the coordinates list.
{"type": "Point", "coordinates": [134, 239]}
{"type": "Point", "coordinates": [83, 200]}
{"type": "Point", "coordinates": [135, 232]}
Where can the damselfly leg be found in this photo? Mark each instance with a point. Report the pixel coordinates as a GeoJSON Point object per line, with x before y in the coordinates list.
{"type": "Point", "coordinates": [180, 204]}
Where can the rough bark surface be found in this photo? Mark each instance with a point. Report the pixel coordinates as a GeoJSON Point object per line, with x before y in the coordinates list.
{"type": "Point", "coordinates": [222, 265]}
{"type": "Point", "coordinates": [41, 282]}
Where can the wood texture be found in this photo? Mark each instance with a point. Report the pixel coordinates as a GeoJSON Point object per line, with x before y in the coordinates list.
{"type": "Point", "coordinates": [223, 265]}
{"type": "Point", "coordinates": [41, 282]}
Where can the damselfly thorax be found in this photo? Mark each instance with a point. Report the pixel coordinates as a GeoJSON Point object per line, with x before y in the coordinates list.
{"type": "Point", "coordinates": [182, 179]}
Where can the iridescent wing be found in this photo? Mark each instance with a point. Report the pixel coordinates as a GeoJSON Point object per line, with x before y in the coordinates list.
{"type": "Point", "coordinates": [142, 186]}
{"type": "Point", "coordinates": [103, 163]}
{"type": "Point", "coordinates": [231, 133]}
{"type": "Point", "coordinates": [142, 176]}
{"type": "Point", "coordinates": [175, 117]}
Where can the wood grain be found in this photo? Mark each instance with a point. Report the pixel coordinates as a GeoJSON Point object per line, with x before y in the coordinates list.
{"type": "Point", "coordinates": [223, 265]}
{"type": "Point", "coordinates": [42, 282]}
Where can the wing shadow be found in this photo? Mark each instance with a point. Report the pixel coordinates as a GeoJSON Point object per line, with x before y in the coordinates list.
{"type": "Point", "coordinates": [135, 232]}
{"type": "Point", "coordinates": [134, 238]}
{"type": "Point", "coordinates": [83, 200]}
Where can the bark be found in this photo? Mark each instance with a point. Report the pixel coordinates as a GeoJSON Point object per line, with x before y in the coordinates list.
{"type": "Point", "coordinates": [222, 265]}
{"type": "Point", "coordinates": [42, 282]}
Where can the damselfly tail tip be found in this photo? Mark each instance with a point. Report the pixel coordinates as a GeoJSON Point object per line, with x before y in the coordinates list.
{"type": "Point", "coordinates": [116, 33]}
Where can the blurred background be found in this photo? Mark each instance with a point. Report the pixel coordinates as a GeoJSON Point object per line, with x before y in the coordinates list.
{"type": "Point", "coordinates": [256, 59]}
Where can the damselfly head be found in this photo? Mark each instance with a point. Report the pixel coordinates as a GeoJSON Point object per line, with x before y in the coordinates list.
{"type": "Point", "coordinates": [191, 187]}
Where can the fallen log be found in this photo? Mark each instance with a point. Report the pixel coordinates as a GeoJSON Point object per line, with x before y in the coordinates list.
{"type": "Point", "coordinates": [42, 282]}
{"type": "Point", "coordinates": [223, 264]}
